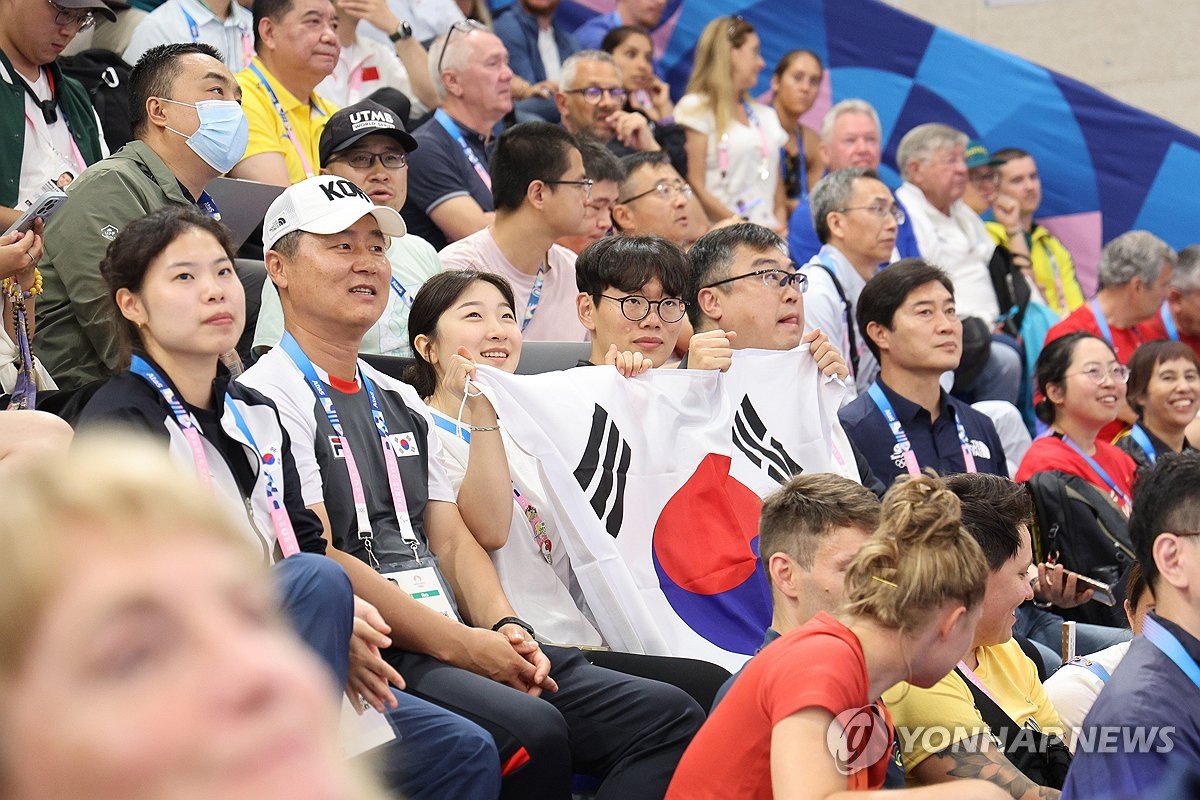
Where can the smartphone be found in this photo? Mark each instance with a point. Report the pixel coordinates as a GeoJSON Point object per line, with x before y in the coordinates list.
{"type": "Point", "coordinates": [43, 208]}
{"type": "Point", "coordinates": [1103, 591]}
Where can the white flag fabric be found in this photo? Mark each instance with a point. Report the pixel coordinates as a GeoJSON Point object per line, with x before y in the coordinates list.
{"type": "Point", "coordinates": [656, 485]}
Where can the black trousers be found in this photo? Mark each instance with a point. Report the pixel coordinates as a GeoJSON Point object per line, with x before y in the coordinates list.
{"type": "Point", "coordinates": [627, 731]}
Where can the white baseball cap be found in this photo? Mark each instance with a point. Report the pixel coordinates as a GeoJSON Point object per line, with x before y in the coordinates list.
{"type": "Point", "coordinates": [324, 204]}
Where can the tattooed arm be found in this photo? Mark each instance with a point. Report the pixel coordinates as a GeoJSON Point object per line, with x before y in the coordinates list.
{"type": "Point", "coordinates": [979, 758]}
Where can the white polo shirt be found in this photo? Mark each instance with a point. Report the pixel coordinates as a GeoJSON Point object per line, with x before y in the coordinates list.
{"type": "Point", "coordinates": [192, 21]}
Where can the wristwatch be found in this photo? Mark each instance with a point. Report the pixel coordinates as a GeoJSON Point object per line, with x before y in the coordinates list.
{"type": "Point", "coordinates": [403, 31]}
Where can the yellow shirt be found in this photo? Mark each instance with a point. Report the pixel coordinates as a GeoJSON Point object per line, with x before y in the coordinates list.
{"type": "Point", "coordinates": [1052, 267]}
{"type": "Point", "coordinates": [930, 720]}
{"type": "Point", "coordinates": [267, 131]}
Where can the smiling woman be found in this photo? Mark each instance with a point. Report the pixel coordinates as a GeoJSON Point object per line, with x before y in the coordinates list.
{"type": "Point", "coordinates": [1164, 391]}
{"type": "Point", "coordinates": [1082, 385]}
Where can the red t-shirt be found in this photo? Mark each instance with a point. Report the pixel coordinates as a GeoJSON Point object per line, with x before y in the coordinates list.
{"type": "Point", "coordinates": [1052, 453]}
{"type": "Point", "coordinates": [1124, 341]}
{"type": "Point", "coordinates": [818, 665]}
{"type": "Point", "coordinates": [1153, 329]}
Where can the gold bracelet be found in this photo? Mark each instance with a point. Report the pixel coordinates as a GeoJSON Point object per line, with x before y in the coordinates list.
{"type": "Point", "coordinates": [474, 429]}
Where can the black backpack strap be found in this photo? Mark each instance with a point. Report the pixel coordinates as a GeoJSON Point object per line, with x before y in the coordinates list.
{"type": "Point", "coordinates": [993, 715]}
{"type": "Point", "coordinates": [841, 292]}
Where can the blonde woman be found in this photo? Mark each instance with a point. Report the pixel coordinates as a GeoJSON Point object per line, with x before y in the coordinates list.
{"type": "Point", "coordinates": [913, 597]}
{"type": "Point", "coordinates": [142, 653]}
{"type": "Point", "coordinates": [733, 142]}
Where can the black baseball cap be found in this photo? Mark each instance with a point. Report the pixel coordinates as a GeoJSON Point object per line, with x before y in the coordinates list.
{"type": "Point", "coordinates": [354, 122]}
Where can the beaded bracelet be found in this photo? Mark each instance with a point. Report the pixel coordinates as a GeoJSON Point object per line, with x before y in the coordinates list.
{"type": "Point", "coordinates": [13, 289]}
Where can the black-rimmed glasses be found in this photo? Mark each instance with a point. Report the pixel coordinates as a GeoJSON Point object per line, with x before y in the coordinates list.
{"type": "Point", "coordinates": [636, 308]}
{"type": "Point", "coordinates": [592, 94]}
{"type": "Point", "coordinates": [586, 183]}
{"type": "Point", "coordinates": [364, 159]}
{"type": "Point", "coordinates": [771, 278]}
{"type": "Point", "coordinates": [466, 25]}
{"type": "Point", "coordinates": [67, 17]}
{"type": "Point", "coordinates": [665, 190]}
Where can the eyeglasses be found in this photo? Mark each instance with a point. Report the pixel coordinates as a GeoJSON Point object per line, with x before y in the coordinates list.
{"type": "Point", "coordinates": [984, 177]}
{"type": "Point", "coordinates": [592, 94]}
{"type": "Point", "coordinates": [465, 25]}
{"type": "Point", "coordinates": [586, 183]}
{"type": "Point", "coordinates": [636, 308]}
{"type": "Point", "coordinates": [1117, 373]}
{"type": "Point", "coordinates": [880, 210]}
{"type": "Point", "coordinates": [772, 279]}
{"type": "Point", "coordinates": [365, 159]}
{"type": "Point", "coordinates": [665, 189]}
{"type": "Point", "coordinates": [66, 17]}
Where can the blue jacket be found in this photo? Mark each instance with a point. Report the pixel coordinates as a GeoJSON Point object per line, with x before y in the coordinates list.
{"type": "Point", "coordinates": [518, 29]}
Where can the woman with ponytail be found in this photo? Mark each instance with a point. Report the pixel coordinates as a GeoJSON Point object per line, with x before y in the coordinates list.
{"type": "Point", "coordinates": [912, 600]}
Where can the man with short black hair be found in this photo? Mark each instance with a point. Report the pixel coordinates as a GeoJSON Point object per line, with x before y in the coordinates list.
{"type": "Point", "coordinates": [296, 47]}
{"type": "Point", "coordinates": [1155, 695]}
{"type": "Point", "coordinates": [630, 299]}
{"type": "Point", "coordinates": [905, 421]}
{"type": "Point", "coordinates": [606, 173]}
{"type": "Point", "coordinates": [166, 163]}
{"type": "Point", "coordinates": [746, 293]}
{"type": "Point", "coordinates": [540, 188]}
{"type": "Point", "coordinates": [49, 128]}
{"type": "Point", "coordinates": [654, 199]}
{"type": "Point", "coordinates": [450, 189]}
{"type": "Point", "coordinates": [856, 219]}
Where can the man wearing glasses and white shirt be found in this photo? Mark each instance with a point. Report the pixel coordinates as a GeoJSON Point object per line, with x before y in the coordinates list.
{"type": "Point", "coordinates": [49, 127]}
{"type": "Point", "coordinates": [539, 188]}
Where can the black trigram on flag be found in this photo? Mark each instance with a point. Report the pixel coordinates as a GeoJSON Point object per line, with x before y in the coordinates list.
{"type": "Point", "coordinates": [602, 470]}
{"type": "Point", "coordinates": [750, 436]}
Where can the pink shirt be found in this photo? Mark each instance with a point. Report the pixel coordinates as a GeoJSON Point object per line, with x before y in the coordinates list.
{"type": "Point", "coordinates": [555, 319]}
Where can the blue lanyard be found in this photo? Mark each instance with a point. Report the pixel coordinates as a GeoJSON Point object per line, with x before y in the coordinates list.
{"type": "Point", "coordinates": [1143, 439]}
{"type": "Point", "coordinates": [1168, 322]}
{"type": "Point", "coordinates": [285, 534]}
{"type": "Point", "coordinates": [451, 127]}
{"type": "Point", "coordinates": [535, 296]}
{"type": "Point", "coordinates": [398, 288]}
{"type": "Point", "coordinates": [209, 206]}
{"type": "Point", "coordinates": [1099, 470]}
{"type": "Point", "coordinates": [140, 367]}
{"type": "Point", "coordinates": [399, 501]}
{"type": "Point", "coordinates": [1101, 322]}
{"type": "Point", "coordinates": [1163, 639]}
{"type": "Point", "coordinates": [193, 29]}
{"type": "Point", "coordinates": [910, 458]}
